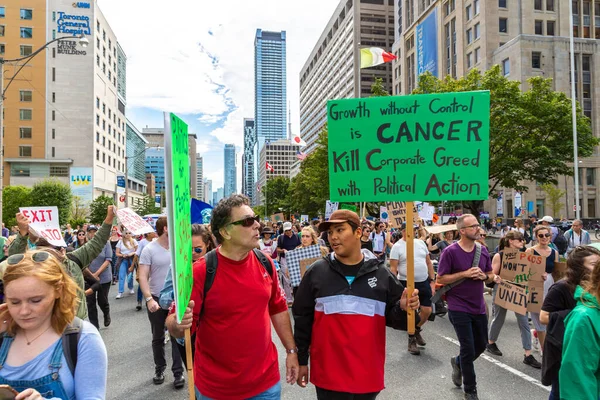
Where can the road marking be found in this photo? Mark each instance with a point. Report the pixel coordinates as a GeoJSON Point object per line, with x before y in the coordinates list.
{"type": "Point", "coordinates": [510, 369]}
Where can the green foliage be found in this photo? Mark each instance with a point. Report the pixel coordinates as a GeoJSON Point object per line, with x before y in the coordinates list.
{"type": "Point", "coordinates": [530, 131]}
{"type": "Point", "coordinates": [260, 211]}
{"type": "Point", "coordinates": [98, 209]}
{"type": "Point", "coordinates": [309, 190]}
{"type": "Point", "coordinates": [14, 197]}
{"type": "Point", "coordinates": [377, 88]}
{"type": "Point", "coordinates": [145, 206]}
{"type": "Point", "coordinates": [52, 192]}
{"type": "Point", "coordinates": [276, 192]}
{"type": "Point", "coordinates": [554, 195]}
{"type": "Point", "coordinates": [79, 212]}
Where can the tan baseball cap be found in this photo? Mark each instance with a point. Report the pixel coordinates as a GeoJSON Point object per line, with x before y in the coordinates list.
{"type": "Point", "coordinates": [338, 217]}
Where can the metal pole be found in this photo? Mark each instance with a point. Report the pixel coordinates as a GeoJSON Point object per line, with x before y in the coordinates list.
{"type": "Point", "coordinates": [574, 113]}
{"type": "Point", "coordinates": [1, 137]}
{"type": "Point", "coordinates": [126, 182]}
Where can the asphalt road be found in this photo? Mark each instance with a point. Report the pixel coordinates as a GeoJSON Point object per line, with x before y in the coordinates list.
{"type": "Point", "coordinates": [130, 365]}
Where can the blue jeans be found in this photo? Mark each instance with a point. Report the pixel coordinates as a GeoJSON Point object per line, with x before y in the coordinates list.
{"type": "Point", "coordinates": [273, 393]}
{"type": "Point", "coordinates": [124, 274]}
{"type": "Point", "coordinates": [555, 392]}
{"type": "Point", "coordinates": [471, 331]}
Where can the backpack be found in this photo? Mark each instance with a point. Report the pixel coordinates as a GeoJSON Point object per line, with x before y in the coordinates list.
{"type": "Point", "coordinates": [70, 343]}
{"type": "Point", "coordinates": [561, 243]}
{"type": "Point", "coordinates": [212, 261]}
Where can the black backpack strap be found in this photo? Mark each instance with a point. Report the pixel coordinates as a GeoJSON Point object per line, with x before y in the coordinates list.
{"type": "Point", "coordinates": [264, 261]}
{"type": "Point", "coordinates": [211, 270]}
{"type": "Point", "coordinates": [70, 343]}
{"type": "Point", "coordinates": [76, 260]}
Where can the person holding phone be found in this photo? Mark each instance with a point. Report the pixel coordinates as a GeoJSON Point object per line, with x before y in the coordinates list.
{"type": "Point", "coordinates": [41, 300]}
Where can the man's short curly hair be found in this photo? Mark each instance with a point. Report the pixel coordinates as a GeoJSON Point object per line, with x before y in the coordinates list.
{"type": "Point", "coordinates": [221, 214]}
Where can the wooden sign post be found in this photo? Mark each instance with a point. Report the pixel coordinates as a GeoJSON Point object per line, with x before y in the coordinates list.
{"type": "Point", "coordinates": [190, 364]}
{"type": "Point", "coordinates": [410, 264]}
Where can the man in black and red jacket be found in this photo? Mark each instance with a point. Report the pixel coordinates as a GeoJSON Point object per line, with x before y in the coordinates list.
{"type": "Point", "coordinates": [341, 310]}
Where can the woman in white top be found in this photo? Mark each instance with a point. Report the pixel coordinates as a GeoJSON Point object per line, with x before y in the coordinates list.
{"type": "Point", "coordinates": [126, 249]}
{"type": "Point", "coordinates": [267, 244]}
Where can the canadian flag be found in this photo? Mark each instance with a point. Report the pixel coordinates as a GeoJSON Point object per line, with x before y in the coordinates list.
{"type": "Point", "coordinates": [297, 141]}
{"type": "Point", "coordinates": [270, 167]}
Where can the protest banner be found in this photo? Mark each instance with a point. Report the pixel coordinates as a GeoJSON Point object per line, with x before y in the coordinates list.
{"type": "Point", "coordinates": [560, 268]}
{"type": "Point", "coordinates": [513, 265]}
{"type": "Point", "coordinates": [511, 297]}
{"type": "Point", "coordinates": [44, 222]}
{"type": "Point", "coordinates": [383, 214]}
{"type": "Point", "coordinates": [330, 207]}
{"type": "Point", "coordinates": [535, 296]}
{"type": "Point", "coordinates": [397, 213]}
{"type": "Point", "coordinates": [307, 262]}
{"type": "Point", "coordinates": [347, 206]}
{"type": "Point", "coordinates": [304, 218]}
{"type": "Point", "coordinates": [293, 258]}
{"type": "Point", "coordinates": [279, 217]}
{"type": "Point", "coordinates": [537, 267]}
{"type": "Point", "coordinates": [133, 222]}
{"type": "Point", "coordinates": [433, 230]}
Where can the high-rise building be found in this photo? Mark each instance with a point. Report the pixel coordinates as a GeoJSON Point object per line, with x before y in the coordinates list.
{"type": "Point", "coordinates": [199, 178]}
{"type": "Point", "coordinates": [155, 165]}
{"type": "Point", "coordinates": [332, 69]}
{"type": "Point", "coordinates": [136, 169]}
{"type": "Point", "coordinates": [270, 84]}
{"type": "Point", "coordinates": [525, 39]}
{"type": "Point", "coordinates": [217, 196]}
{"type": "Point", "coordinates": [280, 155]}
{"type": "Point", "coordinates": [249, 160]}
{"type": "Point", "coordinates": [69, 117]}
{"type": "Point", "coordinates": [150, 184]}
{"type": "Point", "coordinates": [156, 137]}
{"type": "Point", "coordinates": [230, 182]}
{"type": "Point", "coordinates": [208, 191]}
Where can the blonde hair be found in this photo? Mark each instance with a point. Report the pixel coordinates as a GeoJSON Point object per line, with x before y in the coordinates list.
{"type": "Point", "coordinates": [52, 273]}
{"type": "Point", "coordinates": [519, 223]}
{"type": "Point", "coordinates": [310, 231]}
{"type": "Point", "coordinates": [129, 243]}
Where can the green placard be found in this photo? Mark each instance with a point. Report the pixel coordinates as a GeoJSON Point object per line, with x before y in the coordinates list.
{"type": "Point", "coordinates": [177, 181]}
{"type": "Point", "coordinates": [409, 148]}
{"type": "Point", "coordinates": [346, 206]}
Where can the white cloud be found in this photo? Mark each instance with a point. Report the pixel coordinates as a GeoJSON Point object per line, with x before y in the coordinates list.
{"type": "Point", "coordinates": [197, 57]}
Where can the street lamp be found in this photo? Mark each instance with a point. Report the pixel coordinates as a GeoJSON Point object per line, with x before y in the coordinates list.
{"type": "Point", "coordinates": [574, 113]}
{"type": "Point", "coordinates": [83, 42]}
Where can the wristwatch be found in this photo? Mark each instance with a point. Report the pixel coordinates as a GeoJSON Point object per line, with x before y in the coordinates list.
{"type": "Point", "coordinates": [148, 298]}
{"type": "Point", "coordinates": [292, 351]}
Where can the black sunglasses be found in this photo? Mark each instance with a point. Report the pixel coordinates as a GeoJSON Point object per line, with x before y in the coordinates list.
{"type": "Point", "coordinates": [246, 222]}
{"type": "Point", "coordinates": [544, 235]}
{"type": "Point", "coordinates": [198, 250]}
{"type": "Point", "coordinates": [39, 256]}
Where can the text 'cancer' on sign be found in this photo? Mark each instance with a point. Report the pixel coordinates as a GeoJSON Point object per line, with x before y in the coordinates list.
{"type": "Point", "coordinates": [419, 147]}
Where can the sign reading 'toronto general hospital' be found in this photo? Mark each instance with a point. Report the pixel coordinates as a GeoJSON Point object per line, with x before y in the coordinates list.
{"type": "Point", "coordinates": [408, 148]}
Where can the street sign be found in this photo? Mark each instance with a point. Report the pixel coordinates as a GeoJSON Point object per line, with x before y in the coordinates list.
{"type": "Point", "coordinates": [575, 207]}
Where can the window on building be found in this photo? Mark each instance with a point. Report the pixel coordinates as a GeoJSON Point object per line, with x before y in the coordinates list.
{"type": "Point", "coordinates": [53, 133]}
{"type": "Point", "coordinates": [54, 97]}
{"type": "Point", "coordinates": [97, 155]}
{"type": "Point", "coordinates": [25, 115]}
{"type": "Point", "coordinates": [477, 28]}
{"type": "Point", "coordinates": [98, 120]}
{"type": "Point", "coordinates": [103, 35]}
{"type": "Point", "coordinates": [103, 67]}
{"type": "Point", "coordinates": [2, 12]}
{"type": "Point", "coordinates": [26, 33]}
{"type": "Point", "coordinates": [109, 44]}
{"type": "Point", "coordinates": [549, 5]}
{"type": "Point", "coordinates": [537, 5]}
{"type": "Point", "coordinates": [469, 60]}
{"type": "Point", "coordinates": [98, 60]}
{"type": "Point", "coordinates": [104, 158]}
{"type": "Point", "coordinates": [539, 27]}
{"type": "Point", "coordinates": [97, 102]}
{"type": "Point", "coordinates": [25, 95]}
{"type": "Point", "coordinates": [109, 160]}
{"type": "Point", "coordinates": [476, 6]}
{"type": "Point", "coordinates": [53, 152]}
{"type": "Point", "coordinates": [103, 108]}
{"type": "Point", "coordinates": [591, 208]}
{"type": "Point", "coordinates": [536, 59]}
{"type": "Point", "coordinates": [53, 74]}
{"type": "Point", "coordinates": [506, 67]}
{"type": "Point", "coordinates": [590, 176]}
{"type": "Point", "coordinates": [53, 115]}
{"type": "Point", "coordinates": [25, 132]}
{"type": "Point", "coordinates": [477, 55]}
{"type": "Point", "coordinates": [469, 35]}
{"type": "Point", "coordinates": [26, 50]}
{"type": "Point", "coordinates": [26, 14]}
{"type": "Point", "coordinates": [2, 48]}
{"type": "Point", "coordinates": [109, 76]}
{"type": "Point", "coordinates": [98, 43]}
{"type": "Point", "coordinates": [550, 28]}
{"type": "Point", "coordinates": [59, 170]}
{"type": "Point", "coordinates": [103, 125]}
{"type": "Point", "coordinates": [597, 19]}
{"type": "Point", "coordinates": [98, 137]}
{"type": "Point", "coordinates": [469, 11]}
{"type": "Point", "coordinates": [2, 30]}
{"type": "Point", "coordinates": [24, 151]}
{"type": "Point", "coordinates": [503, 25]}
{"type": "Point", "coordinates": [502, 3]}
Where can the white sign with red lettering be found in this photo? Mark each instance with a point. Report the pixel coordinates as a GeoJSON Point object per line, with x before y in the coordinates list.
{"type": "Point", "coordinates": [133, 222]}
{"type": "Point", "coordinates": [44, 221]}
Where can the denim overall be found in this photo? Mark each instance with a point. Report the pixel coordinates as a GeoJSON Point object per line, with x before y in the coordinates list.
{"type": "Point", "coordinates": [49, 385]}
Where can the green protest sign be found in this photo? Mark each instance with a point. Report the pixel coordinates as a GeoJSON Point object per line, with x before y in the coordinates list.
{"type": "Point", "coordinates": [346, 206]}
{"type": "Point", "coordinates": [405, 148]}
{"type": "Point", "coordinates": [177, 181]}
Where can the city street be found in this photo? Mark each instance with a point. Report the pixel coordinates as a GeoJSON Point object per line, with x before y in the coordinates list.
{"type": "Point", "coordinates": [130, 366]}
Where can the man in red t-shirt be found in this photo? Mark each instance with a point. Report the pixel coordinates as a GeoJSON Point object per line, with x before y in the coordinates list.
{"type": "Point", "coordinates": [235, 357]}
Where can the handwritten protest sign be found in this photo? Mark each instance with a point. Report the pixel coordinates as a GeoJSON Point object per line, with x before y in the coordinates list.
{"type": "Point", "coordinates": [136, 224]}
{"type": "Point", "coordinates": [513, 265]}
{"type": "Point", "coordinates": [418, 147]}
{"type": "Point", "coordinates": [440, 228]}
{"type": "Point", "coordinates": [511, 297]}
{"type": "Point", "coordinates": [330, 207]}
{"type": "Point", "coordinates": [535, 296]}
{"type": "Point", "coordinates": [279, 217]}
{"type": "Point", "coordinates": [44, 221]}
{"type": "Point", "coordinates": [397, 213]}
{"type": "Point", "coordinates": [177, 179]}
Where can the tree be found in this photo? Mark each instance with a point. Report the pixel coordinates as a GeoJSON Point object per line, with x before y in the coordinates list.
{"type": "Point", "coordinates": [530, 131]}
{"type": "Point", "coordinates": [79, 212]}
{"type": "Point", "coordinates": [260, 211]}
{"type": "Point", "coordinates": [52, 192]}
{"type": "Point", "coordinates": [146, 206]}
{"type": "Point", "coordinates": [13, 198]}
{"type": "Point", "coordinates": [377, 88]}
{"type": "Point", "coordinates": [309, 190]}
{"type": "Point", "coordinates": [276, 192]}
{"type": "Point", "coordinates": [554, 195]}
{"type": "Point", "coordinates": [98, 209]}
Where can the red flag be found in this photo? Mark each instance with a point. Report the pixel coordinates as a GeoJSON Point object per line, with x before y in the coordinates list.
{"type": "Point", "coordinates": [270, 167]}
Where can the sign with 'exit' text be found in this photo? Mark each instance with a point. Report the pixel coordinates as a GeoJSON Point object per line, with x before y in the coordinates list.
{"type": "Point", "coordinates": [408, 148]}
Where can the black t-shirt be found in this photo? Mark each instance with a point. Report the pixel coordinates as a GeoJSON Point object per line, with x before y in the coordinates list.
{"type": "Point", "coordinates": [559, 298]}
{"type": "Point", "coordinates": [350, 271]}
{"type": "Point", "coordinates": [288, 243]}
{"type": "Point", "coordinates": [366, 245]}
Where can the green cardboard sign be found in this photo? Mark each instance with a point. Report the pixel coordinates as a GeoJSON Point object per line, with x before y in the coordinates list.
{"type": "Point", "coordinates": [346, 206]}
{"type": "Point", "coordinates": [409, 148]}
{"type": "Point", "coordinates": [177, 181]}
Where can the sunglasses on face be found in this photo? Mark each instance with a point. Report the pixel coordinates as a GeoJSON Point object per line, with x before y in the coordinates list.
{"type": "Point", "coordinates": [39, 256]}
{"type": "Point", "coordinates": [246, 222]}
{"type": "Point", "coordinates": [483, 235]}
{"type": "Point", "coordinates": [542, 235]}
{"type": "Point", "coordinates": [519, 240]}
{"type": "Point", "coordinates": [198, 250]}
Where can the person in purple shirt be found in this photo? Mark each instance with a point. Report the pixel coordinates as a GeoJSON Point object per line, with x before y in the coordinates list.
{"type": "Point", "coordinates": [466, 307]}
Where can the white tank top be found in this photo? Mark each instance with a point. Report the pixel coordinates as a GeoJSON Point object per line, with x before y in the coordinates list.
{"type": "Point", "coordinates": [378, 241]}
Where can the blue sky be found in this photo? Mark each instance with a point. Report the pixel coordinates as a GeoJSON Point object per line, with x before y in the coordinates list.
{"type": "Point", "coordinates": [196, 58]}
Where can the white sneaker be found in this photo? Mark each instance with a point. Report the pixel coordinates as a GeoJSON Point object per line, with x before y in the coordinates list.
{"type": "Point", "coordinates": [119, 295]}
{"type": "Point", "coordinates": [131, 291]}
{"type": "Point", "coordinates": [535, 341]}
